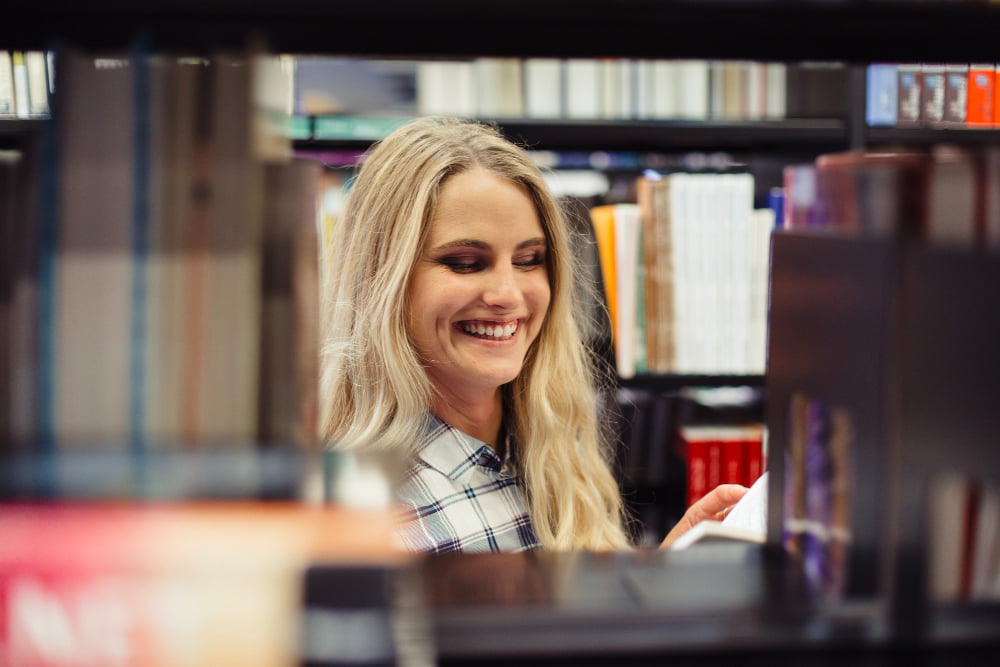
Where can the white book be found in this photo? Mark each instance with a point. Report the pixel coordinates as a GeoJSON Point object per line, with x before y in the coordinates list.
{"type": "Point", "coordinates": [756, 89]}
{"type": "Point", "coordinates": [583, 99]}
{"type": "Point", "coordinates": [746, 521]}
{"type": "Point", "coordinates": [617, 88]}
{"type": "Point", "coordinates": [22, 91]}
{"type": "Point", "coordinates": [446, 88]}
{"type": "Point", "coordinates": [644, 88]}
{"type": "Point", "coordinates": [627, 229]}
{"type": "Point", "coordinates": [777, 91]}
{"type": "Point", "coordinates": [759, 263]}
{"type": "Point", "coordinates": [7, 102]}
{"type": "Point", "coordinates": [693, 96]}
{"type": "Point", "coordinates": [543, 87]}
{"type": "Point", "coordinates": [36, 67]}
{"type": "Point", "coordinates": [667, 89]}
{"type": "Point", "coordinates": [499, 87]}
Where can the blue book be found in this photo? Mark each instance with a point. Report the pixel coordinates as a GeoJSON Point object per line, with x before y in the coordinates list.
{"type": "Point", "coordinates": [881, 95]}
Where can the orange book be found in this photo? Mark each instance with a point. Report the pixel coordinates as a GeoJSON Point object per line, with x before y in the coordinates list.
{"type": "Point", "coordinates": [603, 220]}
{"type": "Point", "coordinates": [981, 91]}
{"type": "Point", "coordinates": [996, 99]}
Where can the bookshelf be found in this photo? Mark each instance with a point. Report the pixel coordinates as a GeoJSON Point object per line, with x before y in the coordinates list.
{"type": "Point", "coordinates": [758, 617]}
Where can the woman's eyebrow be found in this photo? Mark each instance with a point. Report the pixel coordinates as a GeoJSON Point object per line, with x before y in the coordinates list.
{"type": "Point", "coordinates": [464, 243]}
{"type": "Point", "coordinates": [540, 241]}
{"type": "Point", "coordinates": [482, 245]}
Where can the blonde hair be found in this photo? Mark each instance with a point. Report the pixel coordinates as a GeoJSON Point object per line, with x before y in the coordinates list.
{"type": "Point", "coordinates": [375, 391]}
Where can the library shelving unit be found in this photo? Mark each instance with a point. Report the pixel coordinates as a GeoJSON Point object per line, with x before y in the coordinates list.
{"type": "Point", "coordinates": [914, 362]}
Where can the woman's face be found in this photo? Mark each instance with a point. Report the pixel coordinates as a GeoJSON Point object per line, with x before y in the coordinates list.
{"type": "Point", "coordinates": [480, 290]}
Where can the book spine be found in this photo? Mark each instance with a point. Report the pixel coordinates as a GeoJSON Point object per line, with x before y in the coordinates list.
{"type": "Point", "coordinates": [22, 92]}
{"type": "Point", "coordinates": [7, 102]}
{"type": "Point", "coordinates": [979, 108]}
{"type": "Point", "coordinates": [909, 78]}
{"type": "Point", "coordinates": [753, 448]}
{"type": "Point", "coordinates": [956, 94]}
{"type": "Point", "coordinates": [697, 469]}
{"type": "Point", "coordinates": [932, 95]}
{"type": "Point", "coordinates": [733, 461]}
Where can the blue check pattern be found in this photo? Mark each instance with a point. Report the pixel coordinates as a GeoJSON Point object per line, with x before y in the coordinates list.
{"type": "Point", "coordinates": [457, 496]}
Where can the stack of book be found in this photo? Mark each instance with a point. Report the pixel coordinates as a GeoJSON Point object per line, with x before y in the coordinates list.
{"type": "Point", "coordinates": [950, 95]}
{"type": "Point", "coordinates": [161, 277]}
{"type": "Point", "coordinates": [685, 272]}
{"type": "Point", "coordinates": [941, 195]}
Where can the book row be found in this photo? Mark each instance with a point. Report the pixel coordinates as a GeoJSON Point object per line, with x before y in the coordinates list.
{"type": "Point", "coordinates": [569, 88]}
{"type": "Point", "coordinates": [964, 538]}
{"type": "Point", "coordinates": [926, 94]}
{"type": "Point", "coordinates": [159, 283]}
{"type": "Point", "coordinates": [685, 271]}
{"type": "Point", "coordinates": [942, 195]}
{"type": "Point", "coordinates": [25, 83]}
{"type": "Point", "coordinates": [722, 454]}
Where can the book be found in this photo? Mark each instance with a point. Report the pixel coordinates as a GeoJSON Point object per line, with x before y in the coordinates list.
{"type": "Point", "coordinates": [881, 95]}
{"type": "Point", "coordinates": [225, 358]}
{"type": "Point", "coordinates": [956, 90]}
{"type": "Point", "coordinates": [909, 93]}
{"type": "Point", "coordinates": [693, 89]}
{"type": "Point", "coordinates": [8, 194]}
{"type": "Point", "coordinates": [89, 335]}
{"type": "Point", "coordinates": [932, 94]}
{"type": "Point", "coordinates": [720, 454]}
{"type": "Point", "coordinates": [617, 88]}
{"type": "Point", "coordinates": [952, 197]}
{"type": "Point", "coordinates": [979, 95]}
{"type": "Point", "coordinates": [37, 71]}
{"type": "Point", "coordinates": [817, 89]}
{"type": "Point", "coordinates": [652, 196]}
{"type": "Point", "coordinates": [289, 355]}
{"type": "Point", "coordinates": [499, 87]}
{"type": "Point", "coordinates": [22, 91]}
{"type": "Point", "coordinates": [745, 522]}
{"type": "Point", "coordinates": [776, 87]}
{"type": "Point", "coordinates": [8, 105]}
{"type": "Point", "coordinates": [583, 96]}
{"type": "Point", "coordinates": [543, 87]}
{"type": "Point", "coordinates": [630, 353]}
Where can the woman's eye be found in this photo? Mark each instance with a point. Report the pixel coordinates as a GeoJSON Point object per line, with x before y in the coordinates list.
{"type": "Point", "coordinates": [534, 259]}
{"type": "Point", "coordinates": [460, 264]}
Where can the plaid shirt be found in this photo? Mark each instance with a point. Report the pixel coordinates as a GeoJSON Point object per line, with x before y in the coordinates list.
{"type": "Point", "coordinates": [459, 497]}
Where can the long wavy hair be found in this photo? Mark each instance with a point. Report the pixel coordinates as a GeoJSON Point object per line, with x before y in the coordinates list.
{"type": "Point", "coordinates": [375, 393]}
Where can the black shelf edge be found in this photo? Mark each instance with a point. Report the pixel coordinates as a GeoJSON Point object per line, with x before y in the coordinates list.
{"type": "Point", "coordinates": [764, 29]}
{"type": "Point", "coordinates": [650, 135]}
{"type": "Point", "coordinates": [682, 381]}
{"type": "Point", "coordinates": [932, 135]}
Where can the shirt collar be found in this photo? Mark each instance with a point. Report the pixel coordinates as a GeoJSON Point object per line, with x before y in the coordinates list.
{"type": "Point", "coordinates": [453, 453]}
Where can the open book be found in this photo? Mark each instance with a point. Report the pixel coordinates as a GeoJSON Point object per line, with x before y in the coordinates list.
{"type": "Point", "coordinates": [747, 521]}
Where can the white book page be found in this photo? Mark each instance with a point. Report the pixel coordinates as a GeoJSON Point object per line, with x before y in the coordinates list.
{"type": "Point", "coordinates": [751, 511]}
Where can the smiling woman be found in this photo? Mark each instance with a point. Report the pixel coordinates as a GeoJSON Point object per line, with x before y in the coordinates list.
{"type": "Point", "coordinates": [451, 341]}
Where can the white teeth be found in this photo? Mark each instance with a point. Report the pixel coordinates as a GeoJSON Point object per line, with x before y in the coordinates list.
{"type": "Point", "coordinates": [498, 331]}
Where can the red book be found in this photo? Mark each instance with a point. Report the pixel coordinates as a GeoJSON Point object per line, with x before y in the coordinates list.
{"type": "Point", "coordinates": [697, 466]}
{"type": "Point", "coordinates": [982, 81]}
{"type": "Point", "coordinates": [733, 466]}
{"type": "Point", "coordinates": [754, 459]}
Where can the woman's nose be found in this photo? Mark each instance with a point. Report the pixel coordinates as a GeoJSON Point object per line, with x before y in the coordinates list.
{"type": "Point", "coordinates": [501, 290]}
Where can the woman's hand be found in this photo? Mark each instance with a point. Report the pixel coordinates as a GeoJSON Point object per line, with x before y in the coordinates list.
{"type": "Point", "coordinates": [713, 505]}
